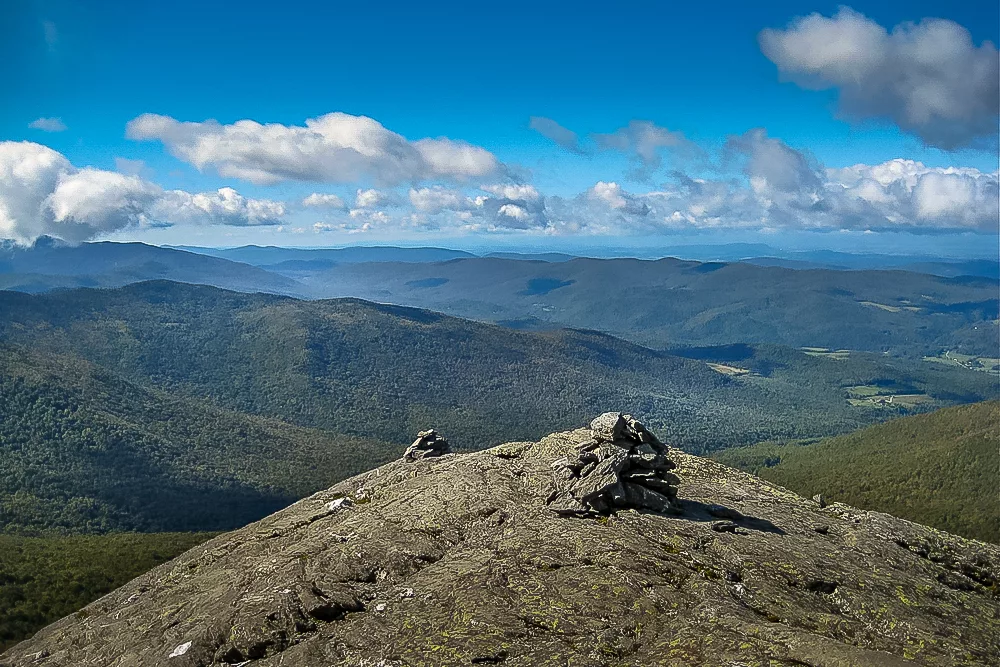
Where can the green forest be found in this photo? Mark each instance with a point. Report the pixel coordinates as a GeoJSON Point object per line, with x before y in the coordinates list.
{"type": "Point", "coordinates": [44, 579]}
{"type": "Point", "coordinates": [939, 469]}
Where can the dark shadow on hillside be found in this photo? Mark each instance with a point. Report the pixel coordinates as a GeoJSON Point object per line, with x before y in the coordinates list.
{"type": "Point", "coordinates": [694, 510]}
{"type": "Point", "coordinates": [541, 286]}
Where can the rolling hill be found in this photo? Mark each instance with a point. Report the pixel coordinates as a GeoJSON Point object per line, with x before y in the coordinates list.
{"type": "Point", "coordinates": [272, 256]}
{"type": "Point", "coordinates": [938, 468]}
{"type": "Point", "coordinates": [659, 304]}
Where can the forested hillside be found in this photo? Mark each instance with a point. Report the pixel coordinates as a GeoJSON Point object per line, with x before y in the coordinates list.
{"type": "Point", "coordinates": [938, 469]}
{"type": "Point", "coordinates": [385, 372]}
{"type": "Point", "coordinates": [82, 449]}
{"type": "Point", "coordinates": [657, 303]}
{"type": "Point", "coordinates": [44, 579]}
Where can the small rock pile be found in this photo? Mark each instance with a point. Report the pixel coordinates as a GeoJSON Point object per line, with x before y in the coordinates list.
{"type": "Point", "coordinates": [623, 465]}
{"type": "Point", "coordinates": [428, 443]}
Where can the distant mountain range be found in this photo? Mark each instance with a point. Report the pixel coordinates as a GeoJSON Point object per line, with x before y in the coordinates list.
{"type": "Point", "coordinates": [661, 304]}
{"type": "Point", "coordinates": [670, 302]}
{"type": "Point", "coordinates": [52, 264]}
{"type": "Point", "coordinates": [272, 255]}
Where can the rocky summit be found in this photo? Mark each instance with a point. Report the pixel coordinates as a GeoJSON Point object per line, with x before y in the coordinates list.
{"type": "Point", "coordinates": [599, 547]}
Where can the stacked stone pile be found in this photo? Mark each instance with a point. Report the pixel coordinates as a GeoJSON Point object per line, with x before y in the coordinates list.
{"type": "Point", "coordinates": [428, 443]}
{"type": "Point", "coordinates": [621, 466]}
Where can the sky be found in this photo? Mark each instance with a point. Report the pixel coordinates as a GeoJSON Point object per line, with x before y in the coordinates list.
{"type": "Point", "coordinates": [872, 125]}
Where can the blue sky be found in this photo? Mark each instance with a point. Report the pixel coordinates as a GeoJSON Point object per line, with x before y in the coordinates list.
{"type": "Point", "coordinates": [475, 74]}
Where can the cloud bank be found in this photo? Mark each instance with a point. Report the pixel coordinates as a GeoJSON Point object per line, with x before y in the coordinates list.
{"type": "Point", "coordinates": [761, 184]}
{"type": "Point", "coordinates": [335, 148]}
{"type": "Point", "coordinates": [929, 78]}
{"type": "Point", "coordinates": [42, 193]}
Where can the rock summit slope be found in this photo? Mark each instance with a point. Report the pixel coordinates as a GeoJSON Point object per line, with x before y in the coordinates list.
{"type": "Point", "coordinates": [459, 559]}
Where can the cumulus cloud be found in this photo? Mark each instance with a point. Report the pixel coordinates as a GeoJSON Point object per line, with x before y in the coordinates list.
{"type": "Point", "coordinates": [906, 193]}
{"type": "Point", "coordinates": [774, 186]}
{"type": "Point", "coordinates": [786, 189]}
{"type": "Point", "coordinates": [42, 193]}
{"type": "Point", "coordinates": [335, 148]}
{"type": "Point", "coordinates": [764, 185]}
{"type": "Point", "coordinates": [929, 78]}
{"type": "Point", "coordinates": [48, 125]}
{"type": "Point", "coordinates": [320, 200]}
{"type": "Point", "coordinates": [513, 191]}
{"type": "Point", "coordinates": [553, 131]}
{"type": "Point", "coordinates": [645, 143]}
{"type": "Point", "coordinates": [223, 207]}
{"type": "Point", "coordinates": [372, 198]}
{"type": "Point", "coordinates": [617, 199]}
{"type": "Point", "coordinates": [437, 199]}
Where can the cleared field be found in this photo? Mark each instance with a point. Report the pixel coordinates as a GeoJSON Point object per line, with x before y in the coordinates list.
{"type": "Point", "coordinates": [728, 370]}
{"type": "Point", "coordinates": [891, 309]}
{"type": "Point", "coordinates": [894, 400]}
{"type": "Point", "coordinates": [973, 363]}
{"type": "Point", "coordinates": [826, 352]}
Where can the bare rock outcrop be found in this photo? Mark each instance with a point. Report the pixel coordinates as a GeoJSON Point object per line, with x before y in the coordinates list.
{"type": "Point", "coordinates": [458, 560]}
{"type": "Point", "coordinates": [429, 443]}
{"type": "Point", "coordinates": [622, 465]}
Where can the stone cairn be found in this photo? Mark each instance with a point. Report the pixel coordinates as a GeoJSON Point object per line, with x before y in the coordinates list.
{"type": "Point", "coordinates": [621, 466]}
{"type": "Point", "coordinates": [428, 443]}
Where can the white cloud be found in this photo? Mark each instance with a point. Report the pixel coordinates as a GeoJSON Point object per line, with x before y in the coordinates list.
{"type": "Point", "coordinates": [929, 78]}
{"type": "Point", "coordinates": [519, 213]}
{"type": "Point", "coordinates": [513, 191]}
{"type": "Point", "coordinates": [910, 194]}
{"type": "Point", "coordinates": [436, 199]}
{"type": "Point", "coordinates": [42, 193]}
{"type": "Point", "coordinates": [372, 198]}
{"type": "Point", "coordinates": [48, 125]}
{"type": "Point", "coordinates": [223, 207]}
{"type": "Point", "coordinates": [336, 147]}
{"type": "Point", "coordinates": [615, 197]}
{"type": "Point", "coordinates": [320, 200]}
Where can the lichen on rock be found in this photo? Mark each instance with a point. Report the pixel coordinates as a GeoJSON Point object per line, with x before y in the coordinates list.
{"type": "Point", "coordinates": [622, 465]}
